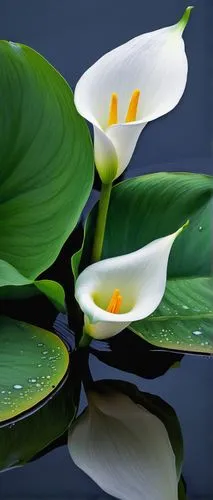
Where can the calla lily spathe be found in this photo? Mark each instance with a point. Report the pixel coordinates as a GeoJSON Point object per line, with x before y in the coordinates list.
{"type": "Point", "coordinates": [125, 449]}
{"type": "Point", "coordinates": [127, 88]}
{"type": "Point", "coordinates": [114, 292]}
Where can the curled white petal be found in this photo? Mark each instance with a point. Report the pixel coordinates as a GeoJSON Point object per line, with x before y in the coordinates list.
{"type": "Point", "coordinates": [124, 138]}
{"type": "Point", "coordinates": [156, 64]}
{"type": "Point", "coordinates": [125, 449]}
{"type": "Point", "coordinates": [141, 279]}
{"type": "Point", "coordinates": [106, 159]}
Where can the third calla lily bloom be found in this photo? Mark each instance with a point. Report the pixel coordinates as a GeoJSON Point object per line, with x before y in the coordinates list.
{"type": "Point", "coordinates": [114, 292]}
{"type": "Point", "coordinates": [124, 448]}
{"type": "Point", "coordinates": [127, 88]}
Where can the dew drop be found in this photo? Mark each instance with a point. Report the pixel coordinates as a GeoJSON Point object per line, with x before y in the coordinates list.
{"type": "Point", "coordinates": [200, 228]}
{"type": "Point", "coordinates": [17, 386]}
{"type": "Point", "coordinates": [32, 380]}
{"type": "Point", "coordinates": [40, 344]}
{"type": "Point", "coordinates": [44, 352]}
{"type": "Point", "coordinates": [185, 307]}
{"type": "Point", "coordinates": [197, 332]}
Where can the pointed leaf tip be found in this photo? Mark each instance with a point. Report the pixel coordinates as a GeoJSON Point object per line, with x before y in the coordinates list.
{"type": "Point", "coordinates": [183, 227]}
{"type": "Point", "coordinates": [186, 224]}
{"type": "Point", "coordinates": [185, 18]}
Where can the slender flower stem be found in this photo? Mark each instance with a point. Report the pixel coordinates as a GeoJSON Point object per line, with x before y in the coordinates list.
{"type": "Point", "coordinates": [101, 221]}
{"type": "Point", "coordinates": [85, 340]}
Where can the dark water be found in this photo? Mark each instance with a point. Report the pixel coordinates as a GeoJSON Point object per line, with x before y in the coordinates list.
{"type": "Point", "coordinates": [72, 35]}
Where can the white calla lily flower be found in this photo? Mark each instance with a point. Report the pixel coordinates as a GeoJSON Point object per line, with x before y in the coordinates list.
{"type": "Point", "coordinates": [127, 88]}
{"type": "Point", "coordinates": [114, 292]}
{"type": "Point", "coordinates": [125, 449]}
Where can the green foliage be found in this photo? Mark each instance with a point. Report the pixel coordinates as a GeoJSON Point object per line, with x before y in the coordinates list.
{"type": "Point", "coordinates": [46, 161]}
{"type": "Point", "coordinates": [33, 362]}
{"type": "Point", "coordinates": [184, 319]}
{"type": "Point", "coordinates": [13, 285]}
{"type": "Point", "coordinates": [38, 391]}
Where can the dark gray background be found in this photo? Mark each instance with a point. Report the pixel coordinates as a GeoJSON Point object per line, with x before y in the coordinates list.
{"type": "Point", "coordinates": [72, 35]}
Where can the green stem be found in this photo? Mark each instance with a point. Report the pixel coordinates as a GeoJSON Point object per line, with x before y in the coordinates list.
{"type": "Point", "coordinates": [101, 221]}
{"type": "Point", "coordinates": [85, 340]}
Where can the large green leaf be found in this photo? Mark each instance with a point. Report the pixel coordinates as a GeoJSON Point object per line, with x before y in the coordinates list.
{"type": "Point", "coordinates": [152, 206]}
{"type": "Point", "coordinates": [35, 431]}
{"type": "Point", "coordinates": [46, 160]}
{"type": "Point", "coordinates": [184, 319]}
{"type": "Point", "coordinates": [39, 391]}
{"type": "Point", "coordinates": [13, 285]}
{"type": "Point", "coordinates": [38, 431]}
{"type": "Point", "coordinates": [33, 362]}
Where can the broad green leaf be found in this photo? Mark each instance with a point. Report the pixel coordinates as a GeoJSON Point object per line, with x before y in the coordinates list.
{"type": "Point", "coordinates": [14, 285]}
{"type": "Point", "coordinates": [33, 362]}
{"type": "Point", "coordinates": [145, 208]}
{"type": "Point", "coordinates": [76, 257]}
{"type": "Point", "coordinates": [46, 160]}
{"type": "Point", "coordinates": [10, 276]}
{"type": "Point", "coordinates": [39, 391]}
{"type": "Point", "coordinates": [30, 434]}
{"type": "Point", "coordinates": [53, 291]}
{"type": "Point", "coordinates": [156, 406]}
{"type": "Point", "coordinates": [184, 319]}
{"type": "Point", "coordinates": [152, 206]}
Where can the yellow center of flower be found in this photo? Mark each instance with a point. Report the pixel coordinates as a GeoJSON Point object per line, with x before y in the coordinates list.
{"type": "Point", "coordinates": [131, 112]}
{"type": "Point", "coordinates": [115, 302]}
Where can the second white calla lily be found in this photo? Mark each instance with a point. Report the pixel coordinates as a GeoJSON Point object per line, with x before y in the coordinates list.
{"type": "Point", "coordinates": [114, 292]}
{"type": "Point", "coordinates": [127, 88]}
{"type": "Point", "coordinates": [125, 449]}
